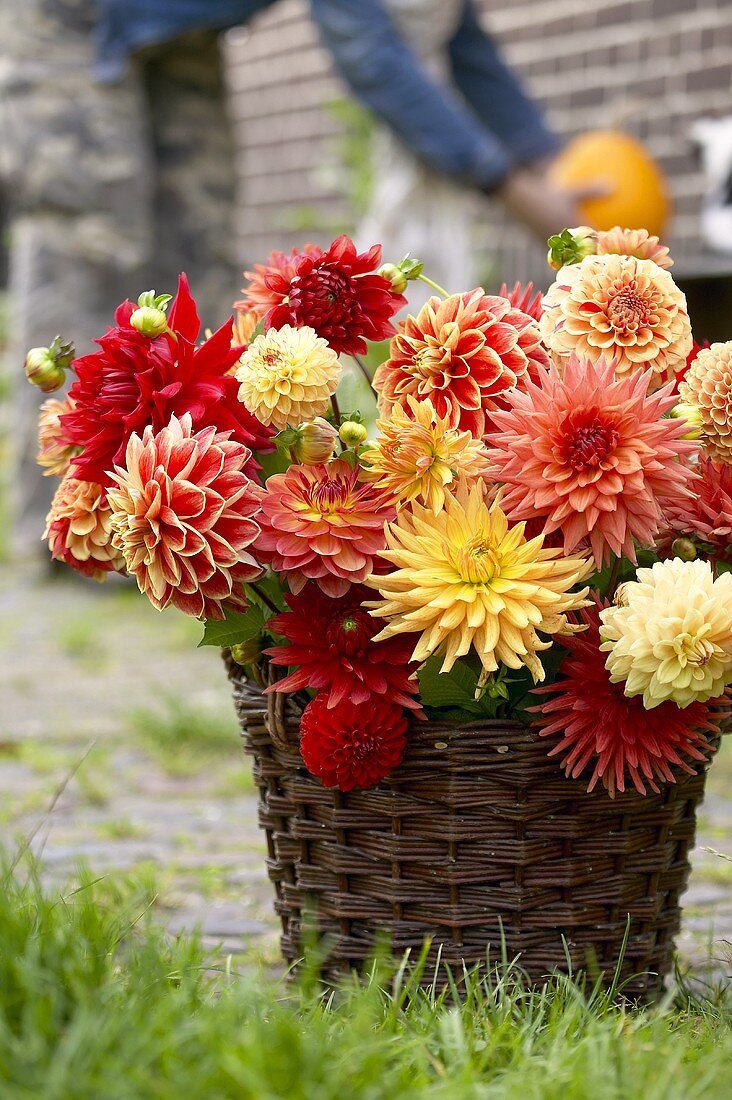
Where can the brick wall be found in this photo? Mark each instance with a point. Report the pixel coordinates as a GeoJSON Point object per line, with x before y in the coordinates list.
{"type": "Point", "coordinates": [654, 65]}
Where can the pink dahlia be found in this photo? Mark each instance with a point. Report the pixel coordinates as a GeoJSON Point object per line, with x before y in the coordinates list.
{"type": "Point", "coordinates": [705, 516]}
{"type": "Point", "coordinates": [79, 529]}
{"type": "Point", "coordinates": [352, 747]}
{"type": "Point", "coordinates": [523, 297]}
{"type": "Point", "coordinates": [592, 455]}
{"type": "Point", "coordinates": [319, 523]}
{"type": "Point", "coordinates": [339, 294]}
{"type": "Point", "coordinates": [332, 648]}
{"type": "Point", "coordinates": [183, 513]}
{"type": "Point", "coordinates": [465, 354]}
{"type": "Point", "coordinates": [136, 381]}
{"type": "Point", "coordinates": [259, 295]}
{"type": "Point", "coordinates": [595, 724]}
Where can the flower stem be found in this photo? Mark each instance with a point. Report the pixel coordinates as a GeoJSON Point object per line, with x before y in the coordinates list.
{"type": "Point", "coordinates": [264, 598]}
{"type": "Point", "coordinates": [612, 583]}
{"type": "Point", "coordinates": [336, 410]}
{"type": "Point", "coordinates": [363, 368]}
{"type": "Point", "coordinates": [435, 286]}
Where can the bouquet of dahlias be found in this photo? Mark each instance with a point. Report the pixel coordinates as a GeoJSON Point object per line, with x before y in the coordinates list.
{"type": "Point", "coordinates": [538, 525]}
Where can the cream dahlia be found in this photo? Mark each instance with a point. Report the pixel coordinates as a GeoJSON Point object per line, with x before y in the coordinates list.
{"type": "Point", "coordinates": [463, 578]}
{"type": "Point", "coordinates": [417, 454]}
{"type": "Point", "coordinates": [79, 529]}
{"type": "Point", "coordinates": [591, 455]}
{"type": "Point", "coordinates": [708, 386]}
{"type": "Point", "coordinates": [620, 308]}
{"type": "Point", "coordinates": [633, 242]}
{"type": "Point", "coordinates": [319, 523]}
{"type": "Point", "coordinates": [183, 514]}
{"type": "Point", "coordinates": [672, 638]}
{"type": "Point", "coordinates": [287, 375]}
{"type": "Point", "coordinates": [54, 453]}
{"type": "Point", "coordinates": [464, 354]}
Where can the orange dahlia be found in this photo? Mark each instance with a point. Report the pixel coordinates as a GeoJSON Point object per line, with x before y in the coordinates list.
{"type": "Point", "coordinates": [54, 453]}
{"type": "Point", "coordinates": [183, 513]}
{"type": "Point", "coordinates": [417, 454]}
{"type": "Point", "coordinates": [620, 308]}
{"type": "Point", "coordinates": [708, 386]}
{"type": "Point", "coordinates": [591, 454]}
{"type": "Point", "coordinates": [79, 529]}
{"type": "Point", "coordinates": [319, 523]}
{"type": "Point", "coordinates": [259, 297]}
{"type": "Point", "coordinates": [464, 353]}
{"type": "Point", "coordinates": [632, 242]}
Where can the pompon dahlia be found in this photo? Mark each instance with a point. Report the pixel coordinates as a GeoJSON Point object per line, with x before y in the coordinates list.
{"type": "Point", "coordinates": [591, 455]}
{"type": "Point", "coordinates": [136, 380]}
{"type": "Point", "coordinates": [79, 529]}
{"type": "Point", "coordinates": [523, 297]}
{"type": "Point", "coordinates": [619, 308]}
{"type": "Point", "coordinates": [287, 376]}
{"type": "Point", "coordinates": [183, 513]}
{"type": "Point", "coordinates": [672, 638]}
{"type": "Point", "coordinates": [708, 386]}
{"type": "Point", "coordinates": [318, 523]}
{"type": "Point", "coordinates": [331, 643]}
{"type": "Point", "coordinates": [339, 294]}
{"type": "Point", "coordinates": [54, 452]}
{"type": "Point", "coordinates": [463, 578]}
{"type": "Point", "coordinates": [595, 724]}
{"type": "Point", "coordinates": [464, 354]}
{"type": "Point", "coordinates": [417, 454]}
{"type": "Point", "coordinates": [632, 242]}
{"type": "Point", "coordinates": [706, 516]}
{"type": "Point", "coordinates": [352, 747]}
{"type": "Point", "coordinates": [259, 297]}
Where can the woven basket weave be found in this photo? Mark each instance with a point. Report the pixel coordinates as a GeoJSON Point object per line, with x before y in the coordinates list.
{"type": "Point", "coordinates": [476, 836]}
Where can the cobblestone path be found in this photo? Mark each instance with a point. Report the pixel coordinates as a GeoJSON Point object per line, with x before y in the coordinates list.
{"type": "Point", "coordinates": [109, 713]}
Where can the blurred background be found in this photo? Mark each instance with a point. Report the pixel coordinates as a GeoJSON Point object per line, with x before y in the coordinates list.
{"type": "Point", "coordinates": [136, 140]}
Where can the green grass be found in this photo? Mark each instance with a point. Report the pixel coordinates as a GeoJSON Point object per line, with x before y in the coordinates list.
{"type": "Point", "coordinates": [95, 1001]}
{"type": "Point", "coordinates": [185, 738]}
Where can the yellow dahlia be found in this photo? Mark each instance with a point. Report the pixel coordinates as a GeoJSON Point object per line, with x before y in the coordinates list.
{"type": "Point", "coordinates": [79, 529]}
{"type": "Point", "coordinates": [54, 453]}
{"type": "Point", "coordinates": [633, 242]}
{"type": "Point", "coordinates": [672, 636]}
{"type": "Point", "coordinates": [418, 453]}
{"type": "Point", "coordinates": [287, 376]}
{"type": "Point", "coordinates": [618, 308]}
{"type": "Point", "coordinates": [707, 386]}
{"type": "Point", "coordinates": [465, 578]}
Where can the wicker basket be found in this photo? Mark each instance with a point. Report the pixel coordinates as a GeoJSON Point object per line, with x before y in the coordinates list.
{"type": "Point", "coordinates": [476, 836]}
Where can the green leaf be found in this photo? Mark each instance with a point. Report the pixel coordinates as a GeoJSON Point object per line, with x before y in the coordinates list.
{"type": "Point", "coordinates": [455, 688]}
{"type": "Point", "coordinates": [236, 627]}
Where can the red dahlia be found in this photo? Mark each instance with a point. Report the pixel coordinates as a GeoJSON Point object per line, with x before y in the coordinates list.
{"type": "Point", "coordinates": [259, 297]}
{"type": "Point", "coordinates": [352, 746]}
{"type": "Point", "coordinates": [599, 725]}
{"type": "Point", "coordinates": [338, 293]}
{"type": "Point", "coordinates": [136, 381]}
{"type": "Point", "coordinates": [331, 642]}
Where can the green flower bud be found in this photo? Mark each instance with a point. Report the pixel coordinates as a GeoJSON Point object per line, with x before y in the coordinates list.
{"type": "Point", "coordinates": [45, 367]}
{"type": "Point", "coordinates": [314, 442]}
{"type": "Point", "coordinates": [352, 433]}
{"type": "Point", "coordinates": [570, 246]}
{"type": "Point", "coordinates": [246, 653]}
{"type": "Point", "coordinates": [683, 548]}
{"type": "Point", "coordinates": [395, 276]}
{"type": "Point", "coordinates": [149, 321]}
{"type": "Point", "coordinates": [693, 417]}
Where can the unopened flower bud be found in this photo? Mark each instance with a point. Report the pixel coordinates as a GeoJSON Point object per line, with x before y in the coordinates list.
{"type": "Point", "coordinates": [246, 653]}
{"type": "Point", "coordinates": [149, 321]}
{"type": "Point", "coordinates": [570, 246]}
{"type": "Point", "coordinates": [395, 276]}
{"type": "Point", "coordinates": [45, 367]}
{"type": "Point", "coordinates": [620, 599]}
{"type": "Point", "coordinates": [693, 417]}
{"type": "Point", "coordinates": [683, 548]}
{"type": "Point", "coordinates": [314, 442]}
{"type": "Point", "coordinates": [352, 433]}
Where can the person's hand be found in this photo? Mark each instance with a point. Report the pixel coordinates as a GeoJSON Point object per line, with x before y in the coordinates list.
{"type": "Point", "coordinates": [536, 202]}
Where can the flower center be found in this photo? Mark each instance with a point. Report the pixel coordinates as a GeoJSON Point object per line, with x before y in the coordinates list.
{"type": "Point", "coordinates": [692, 649]}
{"type": "Point", "coordinates": [590, 444]}
{"type": "Point", "coordinates": [627, 310]}
{"type": "Point", "coordinates": [329, 496]}
{"type": "Point", "coordinates": [477, 561]}
{"type": "Point", "coordinates": [351, 632]}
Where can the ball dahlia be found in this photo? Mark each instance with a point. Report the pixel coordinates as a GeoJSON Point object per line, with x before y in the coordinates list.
{"type": "Point", "coordinates": [79, 529]}
{"type": "Point", "coordinates": [136, 380]}
{"type": "Point", "coordinates": [706, 516]}
{"type": "Point", "coordinates": [259, 297]}
{"type": "Point", "coordinates": [338, 293]}
{"type": "Point", "coordinates": [330, 641]}
{"type": "Point", "coordinates": [318, 523]}
{"type": "Point", "coordinates": [619, 308]}
{"type": "Point", "coordinates": [708, 386]}
{"type": "Point", "coordinates": [464, 353]}
{"type": "Point", "coordinates": [595, 724]}
{"type": "Point", "coordinates": [465, 578]}
{"type": "Point", "coordinates": [672, 638]}
{"type": "Point", "coordinates": [352, 747]}
{"type": "Point", "coordinates": [633, 242]}
{"type": "Point", "coordinates": [590, 454]}
{"type": "Point", "coordinates": [287, 375]}
{"type": "Point", "coordinates": [418, 453]}
{"type": "Point", "coordinates": [183, 514]}
{"type": "Point", "coordinates": [54, 453]}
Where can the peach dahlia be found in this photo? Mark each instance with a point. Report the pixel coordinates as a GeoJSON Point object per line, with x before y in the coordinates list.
{"type": "Point", "coordinates": [79, 529]}
{"type": "Point", "coordinates": [707, 385]}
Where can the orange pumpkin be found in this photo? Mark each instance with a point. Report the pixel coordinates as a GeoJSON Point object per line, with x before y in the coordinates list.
{"type": "Point", "coordinates": [638, 198]}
